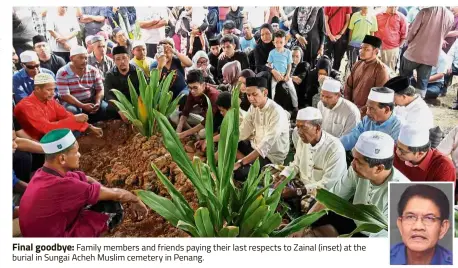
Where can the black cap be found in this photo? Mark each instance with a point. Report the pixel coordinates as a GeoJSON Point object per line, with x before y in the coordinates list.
{"type": "Point", "coordinates": [398, 83]}
{"type": "Point", "coordinates": [256, 82]}
{"type": "Point", "coordinates": [213, 42]}
{"type": "Point", "coordinates": [228, 25]}
{"type": "Point", "coordinates": [275, 19]}
{"type": "Point", "coordinates": [373, 41]}
{"type": "Point", "coordinates": [119, 50]}
{"type": "Point", "coordinates": [38, 39]}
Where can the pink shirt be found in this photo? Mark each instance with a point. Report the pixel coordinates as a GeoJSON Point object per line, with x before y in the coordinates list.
{"type": "Point", "coordinates": [54, 206]}
{"type": "Point", "coordinates": [392, 29]}
{"type": "Point", "coordinates": [426, 34]}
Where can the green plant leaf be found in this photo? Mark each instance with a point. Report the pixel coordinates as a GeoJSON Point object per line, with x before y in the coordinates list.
{"type": "Point", "coordinates": [177, 198]}
{"type": "Point", "coordinates": [174, 104]}
{"type": "Point", "coordinates": [209, 138]}
{"type": "Point", "coordinates": [189, 228]}
{"type": "Point", "coordinates": [269, 225]}
{"type": "Point", "coordinates": [133, 93]}
{"type": "Point", "coordinates": [253, 221]}
{"type": "Point", "coordinates": [229, 231]}
{"type": "Point", "coordinates": [141, 83]}
{"type": "Point", "coordinates": [161, 205]}
{"type": "Point", "coordinates": [359, 212]}
{"type": "Point", "coordinates": [203, 222]}
{"type": "Point", "coordinates": [127, 105]}
{"type": "Point", "coordinates": [364, 227]}
{"type": "Point", "coordinates": [298, 224]}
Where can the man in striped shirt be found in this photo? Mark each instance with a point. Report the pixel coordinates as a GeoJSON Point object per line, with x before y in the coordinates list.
{"type": "Point", "coordinates": [80, 86]}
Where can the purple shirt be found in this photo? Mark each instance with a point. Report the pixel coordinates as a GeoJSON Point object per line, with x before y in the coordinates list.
{"type": "Point", "coordinates": [426, 33]}
{"type": "Point", "coordinates": [451, 40]}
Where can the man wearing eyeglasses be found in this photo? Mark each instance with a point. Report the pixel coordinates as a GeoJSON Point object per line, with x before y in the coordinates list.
{"type": "Point", "coordinates": [417, 160]}
{"type": "Point", "coordinates": [23, 83]}
{"type": "Point", "coordinates": [423, 220]}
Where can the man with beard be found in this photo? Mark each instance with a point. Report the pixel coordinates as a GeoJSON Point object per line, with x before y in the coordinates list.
{"type": "Point", "coordinates": [419, 244]}
{"type": "Point", "coordinates": [320, 158]}
{"type": "Point", "coordinates": [366, 181]}
{"type": "Point", "coordinates": [117, 78]}
{"type": "Point", "coordinates": [367, 73]}
{"type": "Point", "coordinates": [417, 160]}
{"type": "Point", "coordinates": [270, 125]}
{"type": "Point", "coordinates": [379, 117]}
{"type": "Point", "coordinates": [340, 116]}
{"type": "Point", "coordinates": [62, 202]}
{"type": "Point", "coordinates": [80, 86]}
{"type": "Point", "coordinates": [47, 59]}
{"type": "Point", "coordinates": [23, 81]}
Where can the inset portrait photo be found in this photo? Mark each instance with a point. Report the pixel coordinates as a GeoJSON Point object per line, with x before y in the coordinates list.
{"type": "Point", "coordinates": [421, 223]}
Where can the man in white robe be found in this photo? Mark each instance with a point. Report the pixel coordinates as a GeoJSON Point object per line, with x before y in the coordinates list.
{"type": "Point", "coordinates": [264, 132]}
{"type": "Point", "coordinates": [410, 107]}
{"type": "Point", "coordinates": [340, 116]}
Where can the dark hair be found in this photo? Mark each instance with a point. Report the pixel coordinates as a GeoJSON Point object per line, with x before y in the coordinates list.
{"type": "Point", "coordinates": [194, 76]}
{"type": "Point", "coordinates": [280, 34]}
{"type": "Point", "coordinates": [268, 26]}
{"type": "Point", "coordinates": [427, 192]}
{"type": "Point", "coordinates": [387, 162]}
{"type": "Point", "coordinates": [247, 73]}
{"type": "Point", "coordinates": [409, 91]}
{"type": "Point", "coordinates": [418, 149]}
{"type": "Point", "coordinates": [227, 38]}
{"type": "Point", "coordinates": [384, 90]}
{"type": "Point", "coordinates": [224, 100]}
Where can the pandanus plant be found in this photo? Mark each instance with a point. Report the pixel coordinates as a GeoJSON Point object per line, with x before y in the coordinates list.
{"type": "Point", "coordinates": [226, 210]}
{"type": "Point", "coordinates": [154, 96]}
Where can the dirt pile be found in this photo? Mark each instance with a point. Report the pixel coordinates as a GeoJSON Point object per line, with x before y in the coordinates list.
{"type": "Point", "coordinates": [122, 158]}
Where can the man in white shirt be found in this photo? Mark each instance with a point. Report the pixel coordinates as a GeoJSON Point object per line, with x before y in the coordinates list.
{"type": "Point", "coordinates": [366, 181]}
{"type": "Point", "coordinates": [410, 107]}
{"type": "Point", "coordinates": [320, 157]}
{"type": "Point", "coordinates": [152, 21]}
{"type": "Point", "coordinates": [264, 132]}
{"type": "Point", "coordinates": [340, 116]}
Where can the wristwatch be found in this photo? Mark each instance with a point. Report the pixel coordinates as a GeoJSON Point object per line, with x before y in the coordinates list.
{"type": "Point", "coordinates": [240, 162]}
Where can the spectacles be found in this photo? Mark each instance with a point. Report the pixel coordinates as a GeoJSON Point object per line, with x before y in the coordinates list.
{"type": "Point", "coordinates": [31, 67]}
{"type": "Point", "coordinates": [202, 62]}
{"type": "Point", "coordinates": [426, 220]}
{"type": "Point", "coordinates": [402, 152]}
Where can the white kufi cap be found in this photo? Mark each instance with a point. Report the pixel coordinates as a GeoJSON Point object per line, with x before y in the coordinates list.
{"type": "Point", "coordinates": [43, 78]}
{"type": "Point", "coordinates": [413, 136]}
{"type": "Point", "coordinates": [375, 144]}
{"type": "Point", "coordinates": [308, 114]}
{"type": "Point", "coordinates": [138, 43]}
{"type": "Point", "coordinates": [29, 56]}
{"type": "Point", "coordinates": [77, 50]}
{"type": "Point", "coordinates": [381, 97]}
{"type": "Point", "coordinates": [331, 85]}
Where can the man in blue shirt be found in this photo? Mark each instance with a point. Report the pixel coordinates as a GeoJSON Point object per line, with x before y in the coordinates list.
{"type": "Point", "coordinates": [379, 117]}
{"type": "Point", "coordinates": [23, 80]}
{"type": "Point", "coordinates": [436, 79]}
{"type": "Point", "coordinates": [423, 220]}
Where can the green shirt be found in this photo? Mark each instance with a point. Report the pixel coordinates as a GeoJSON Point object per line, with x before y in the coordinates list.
{"type": "Point", "coordinates": [365, 192]}
{"type": "Point", "coordinates": [361, 26]}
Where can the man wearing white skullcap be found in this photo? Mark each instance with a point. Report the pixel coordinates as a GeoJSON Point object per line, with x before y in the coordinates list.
{"type": "Point", "coordinates": [417, 160]}
{"type": "Point", "coordinates": [80, 86]}
{"type": "Point", "coordinates": [366, 181]}
{"type": "Point", "coordinates": [380, 117]}
{"type": "Point", "coordinates": [320, 157]}
{"type": "Point", "coordinates": [140, 59]}
{"type": "Point", "coordinates": [63, 202]}
{"type": "Point", "coordinates": [23, 82]}
{"type": "Point", "coordinates": [40, 112]}
{"type": "Point", "coordinates": [340, 116]}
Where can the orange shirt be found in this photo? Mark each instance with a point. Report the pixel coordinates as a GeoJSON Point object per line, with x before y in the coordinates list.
{"type": "Point", "coordinates": [38, 118]}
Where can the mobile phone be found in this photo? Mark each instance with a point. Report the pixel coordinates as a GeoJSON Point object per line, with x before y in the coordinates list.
{"type": "Point", "coordinates": [160, 50]}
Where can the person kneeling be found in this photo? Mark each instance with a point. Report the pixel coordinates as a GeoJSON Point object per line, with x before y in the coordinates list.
{"type": "Point", "coordinates": [62, 202]}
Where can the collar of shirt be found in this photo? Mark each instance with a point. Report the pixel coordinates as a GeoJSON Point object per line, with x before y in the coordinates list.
{"type": "Point", "coordinates": [399, 255]}
{"type": "Point", "coordinates": [413, 103]}
{"type": "Point", "coordinates": [132, 70]}
{"type": "Point", "coordinates": [93, 58]}
{"type": "Point", "coordinates": [323, 138]}
{"type": "Point", "coordinates": [424, 164]}
{"type": "Point", "coordinates": [339, 102]}
{"type": "Point", "coordinates": [387, 122]}
{"type": "Point", "coordinates": [266, 107]}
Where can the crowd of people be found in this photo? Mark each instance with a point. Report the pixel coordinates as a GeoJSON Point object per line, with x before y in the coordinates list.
{"type": "Point", "coordinates": [354, 81]}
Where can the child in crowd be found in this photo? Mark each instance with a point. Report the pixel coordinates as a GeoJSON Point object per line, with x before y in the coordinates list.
{"type": "Point", "coordinates": [280, 59]}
